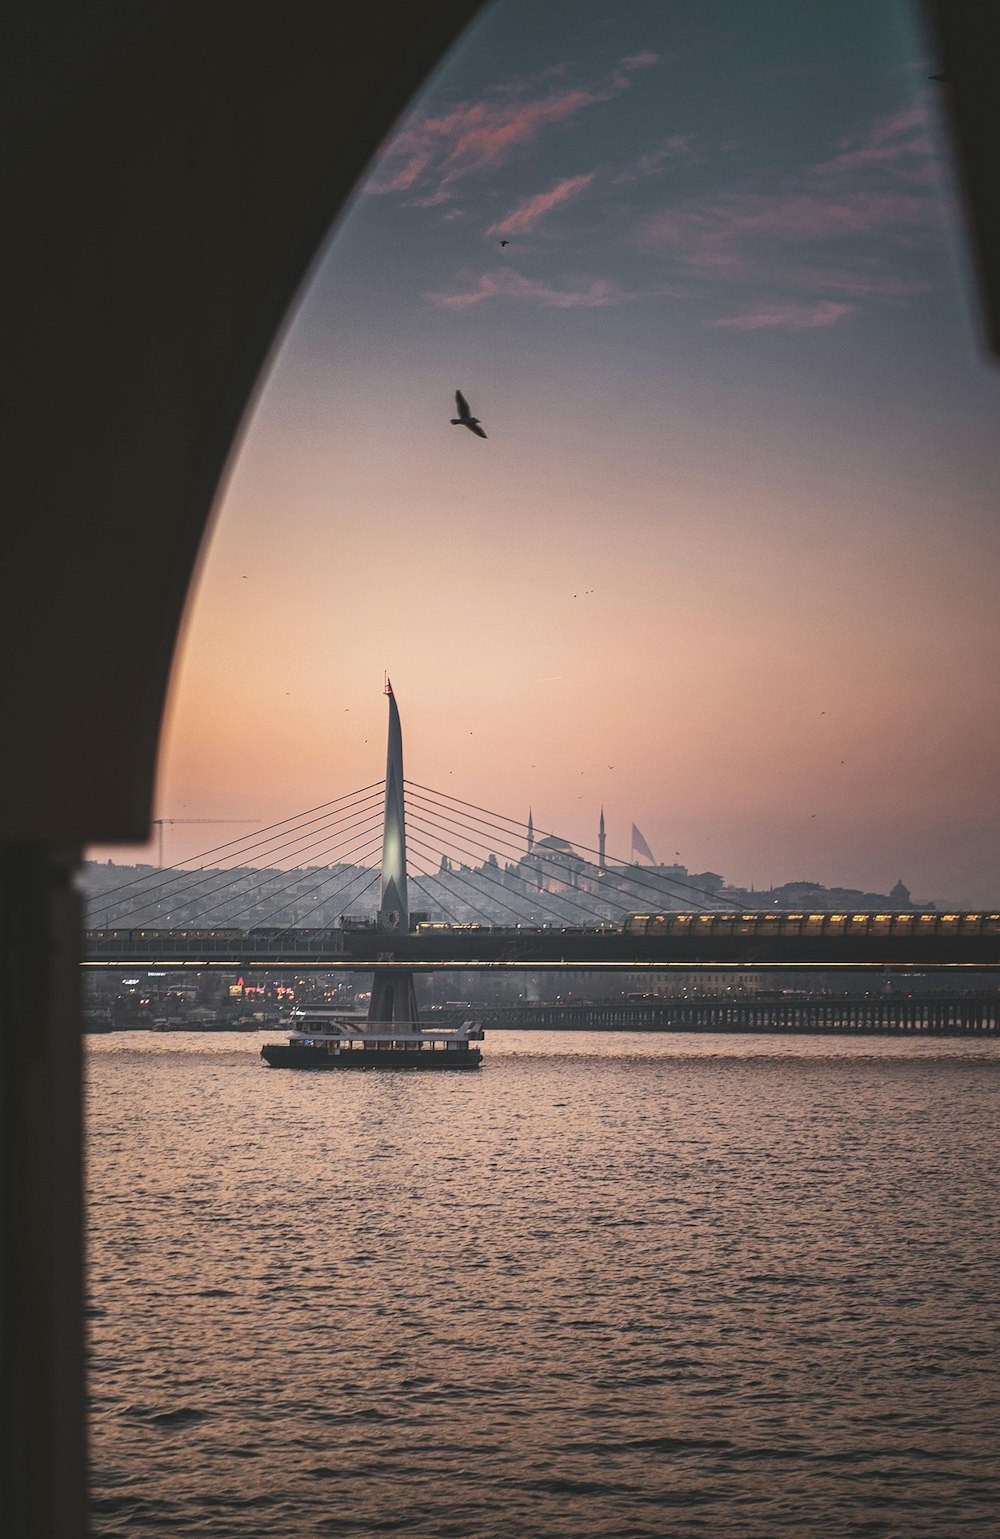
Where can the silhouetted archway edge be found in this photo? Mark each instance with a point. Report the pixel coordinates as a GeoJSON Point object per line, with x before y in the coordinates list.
{"type": "Point", "coordinates": [171, 169]}
{"type": "Point", "coordinates": [176, 169]}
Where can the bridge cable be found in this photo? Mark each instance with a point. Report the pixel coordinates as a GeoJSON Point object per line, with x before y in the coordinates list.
{"type": "Point", "coordinates": [434, 901]}
{"type": "Point", "coordinates": [627, 875]}
{"type": "Point", "coordinates": [556, 862]}
{"type": "Point", "coordinates": [459, 876]}
{"type": "Point", "coordinates": [328, 898]}
{"type": "Point", "coordinates": [236, 890]}
{"type": "Point", "coordinates": [365, 835]}
{"type": "Point", "coordinates": [673, 881]}
{"type": "Point", "coordinates": [527, 902]}
{"type": "Point", "coordinates": [483, 897]}
{"type": "Point", "coordinates": [530, 900]}
{"type": "Point", "coordinates": [419, 878]}
{"type": "Point", "coordinates": [320, 807]}
{"type": "Point", "coordinates": [233, 880]}
{"type": "Point", "coordinates": [234, 874]}
{"type": "Point", "coordinates": [361, 801]}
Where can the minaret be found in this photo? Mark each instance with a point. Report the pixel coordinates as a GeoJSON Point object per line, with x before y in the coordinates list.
{"type": "Point", "coordinates": [393, 910]}
{"type": "Point", "coordinates": [531, 832]}
{"type": "Point", "coordinates": [600, 844]}
{"type": "Point", "coordinates": [394, 999]}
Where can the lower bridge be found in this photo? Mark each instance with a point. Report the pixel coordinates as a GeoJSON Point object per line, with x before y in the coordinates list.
{"type": "Point", "coordinates": [930, 1015]}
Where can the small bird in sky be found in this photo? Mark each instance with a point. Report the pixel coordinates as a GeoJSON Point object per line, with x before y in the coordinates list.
{"type": "Point", "coordinates": [504, 243]}
{"type": "Point", "coordinates": [465, 417]}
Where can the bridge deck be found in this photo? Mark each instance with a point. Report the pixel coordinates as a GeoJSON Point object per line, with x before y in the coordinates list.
{"type": "Point", "coordinates": [914, 942]}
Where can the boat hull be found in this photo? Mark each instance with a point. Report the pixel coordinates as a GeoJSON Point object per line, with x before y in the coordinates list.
{"type": "Point", "coordinates": [303, 1055]}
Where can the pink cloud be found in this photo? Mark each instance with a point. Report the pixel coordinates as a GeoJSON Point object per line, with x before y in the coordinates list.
{"type": "Point", "coordinates": [639, 60]}
{"type": "Point", "coordinates": [527, 214]}
{"type": "Point", "coordinates": [789, 317]}
{"type": "Point", "coordinates": [900, 141]}
{"type": "Point", "coordinates": [677, 147]}
{"type": "Point", "coordinates": [830, 235]}
{"type": "Point", "coordinates": [506, 284]}
{"type": "Point", "coordinates": [437, 152]}
{"type": "Point", "coordinates": [713, 233]}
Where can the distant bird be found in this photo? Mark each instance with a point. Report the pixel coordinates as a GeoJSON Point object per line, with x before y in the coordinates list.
{"type": "Point", "coordinates": [942, 78]}
{"type": "Point", "coordinates": [507, 242]}
{"type": "Point", "coordinates": [465, 417]}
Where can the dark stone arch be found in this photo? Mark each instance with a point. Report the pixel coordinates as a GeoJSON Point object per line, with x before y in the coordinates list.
{"type": "Point", "coordinates": [176, 168]}
{"type": "Point", "coordinates": [171, 169]}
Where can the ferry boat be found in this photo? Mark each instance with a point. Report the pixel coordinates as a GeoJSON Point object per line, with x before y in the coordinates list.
{"type": "Point", "coordinates": [329, 1039]}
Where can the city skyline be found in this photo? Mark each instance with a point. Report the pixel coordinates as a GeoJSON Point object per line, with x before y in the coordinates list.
{"type": "Point", "coordinates": [724, 564]}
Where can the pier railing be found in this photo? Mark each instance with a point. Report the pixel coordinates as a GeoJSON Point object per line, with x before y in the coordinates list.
{"type": "Point", "coordinates": [929, 1015]}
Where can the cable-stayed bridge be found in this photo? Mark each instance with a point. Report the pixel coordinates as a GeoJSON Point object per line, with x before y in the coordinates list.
{"type": "Point", "coordinates": [330, 889]}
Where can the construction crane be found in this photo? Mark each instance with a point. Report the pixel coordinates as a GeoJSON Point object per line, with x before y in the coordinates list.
{"type": "Point", "coordinates": [161, 824]}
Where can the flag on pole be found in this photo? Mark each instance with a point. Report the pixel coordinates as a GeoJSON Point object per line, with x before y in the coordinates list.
{"type": "Point", "coordinates": [640, 847]}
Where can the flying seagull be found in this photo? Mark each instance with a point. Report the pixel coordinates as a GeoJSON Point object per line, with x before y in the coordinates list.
{"type": "Point", "coordinates": [465, 417]}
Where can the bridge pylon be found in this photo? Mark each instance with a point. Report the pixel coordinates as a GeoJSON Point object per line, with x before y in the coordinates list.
{"type": "Point", "coordinates": [394, 998]}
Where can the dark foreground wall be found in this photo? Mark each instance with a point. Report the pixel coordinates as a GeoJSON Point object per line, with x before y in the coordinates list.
{"type": "Point", "coordinates": [169, 171]}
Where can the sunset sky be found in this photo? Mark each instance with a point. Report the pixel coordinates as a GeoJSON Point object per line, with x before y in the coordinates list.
{"type": "Point", "coordinates": [727, 561]}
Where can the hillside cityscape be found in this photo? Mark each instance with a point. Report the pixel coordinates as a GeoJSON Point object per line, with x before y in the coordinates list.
{"type": "Point", "coordinates": [551, 883]}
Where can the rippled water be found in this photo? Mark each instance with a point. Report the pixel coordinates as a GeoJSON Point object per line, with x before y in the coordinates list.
{"type": "Point", "coordinates": [628, 1286]}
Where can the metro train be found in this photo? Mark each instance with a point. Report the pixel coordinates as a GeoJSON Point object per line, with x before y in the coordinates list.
{"type": "Point", "coordinates": [763, 926]}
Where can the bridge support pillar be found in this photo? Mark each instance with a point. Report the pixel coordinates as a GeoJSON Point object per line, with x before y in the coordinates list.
{"type": "Point", "coordinates": [43, 1477]}
{"type": "Point", "coordinates": [394, 999]}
